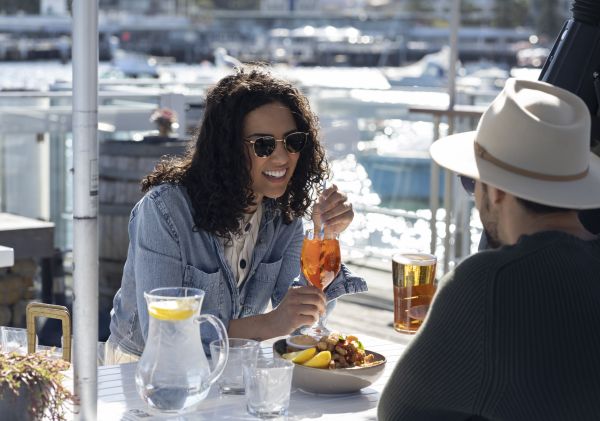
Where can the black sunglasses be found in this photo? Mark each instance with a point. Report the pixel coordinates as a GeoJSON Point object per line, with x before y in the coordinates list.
{"type": "Point", "coordinates": [265, 145]}
{"type": "Point", "coordinates": [468, 184]}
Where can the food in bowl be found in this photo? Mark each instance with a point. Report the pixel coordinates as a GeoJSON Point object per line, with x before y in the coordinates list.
{"type": "Point", "coordinates": [333, 351]}
{"type": "Point", "coordinates": [330, 381]}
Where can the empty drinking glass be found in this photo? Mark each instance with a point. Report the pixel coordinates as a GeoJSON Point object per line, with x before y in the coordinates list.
{"type": "Point", "coordinates": [231, 381]}
{"type": "Point", "coordinates": [268, 383]}
{"type": "Point", "coordinates": [13, 339]}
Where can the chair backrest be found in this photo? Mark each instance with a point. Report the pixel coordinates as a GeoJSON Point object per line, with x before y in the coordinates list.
{"type": "Point", "coordinates": [51, 311]}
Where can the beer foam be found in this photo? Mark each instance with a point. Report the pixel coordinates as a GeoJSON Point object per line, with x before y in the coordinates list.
{"type": "Point", "coordinates": [415, 259]}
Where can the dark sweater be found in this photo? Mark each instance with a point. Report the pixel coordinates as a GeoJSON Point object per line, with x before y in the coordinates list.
{"type": "Point", "coordinates": [513, 334]}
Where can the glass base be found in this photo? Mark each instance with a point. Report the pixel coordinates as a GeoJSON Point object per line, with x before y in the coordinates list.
{"type": "Point", "coordinates": [408, 327]}
{"type": "Point", "coordinates": [266, 413]}
{"type": "Point", "coordinates": [231, 390]}
{"type": "Point", "coordinates": [405, 331]}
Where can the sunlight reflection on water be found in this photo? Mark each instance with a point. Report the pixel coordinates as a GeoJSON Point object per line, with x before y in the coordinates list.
{"type": "Point", "coordinates": [374, 236]}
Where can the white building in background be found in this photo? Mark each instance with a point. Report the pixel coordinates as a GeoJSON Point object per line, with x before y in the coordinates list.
{"type": "Point", "coordinates": [53, 7]}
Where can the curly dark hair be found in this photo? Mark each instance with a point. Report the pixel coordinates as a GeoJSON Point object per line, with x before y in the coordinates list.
{"type": "Point", "coordinates": [217, 180]}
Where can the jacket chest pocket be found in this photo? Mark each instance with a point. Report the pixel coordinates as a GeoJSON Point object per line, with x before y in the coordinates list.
{"type": "Point", "coordinates": [260, 287]}
{"type": "Point", "coordinates": [212, 286]}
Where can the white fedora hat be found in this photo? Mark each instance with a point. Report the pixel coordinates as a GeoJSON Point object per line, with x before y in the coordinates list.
{"type": "Point", "coordinates": [533, 141]}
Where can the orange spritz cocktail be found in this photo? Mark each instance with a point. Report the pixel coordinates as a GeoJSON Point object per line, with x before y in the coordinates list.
{"type": "Point", "coordinates": [320, 258]}
{"type": "Point", "coordinates": [320, 261]}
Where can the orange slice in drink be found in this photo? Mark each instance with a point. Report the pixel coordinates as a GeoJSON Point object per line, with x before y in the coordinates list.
{"type": "Point", "coordinates": [171, 310]}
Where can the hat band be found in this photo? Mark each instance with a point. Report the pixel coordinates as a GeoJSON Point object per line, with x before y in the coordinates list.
{"type": "Point", "coordinates": [482, 153]}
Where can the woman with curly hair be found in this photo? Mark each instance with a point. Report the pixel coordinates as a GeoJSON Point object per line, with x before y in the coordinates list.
{"type": "Point", "coordinates": [226, 218]}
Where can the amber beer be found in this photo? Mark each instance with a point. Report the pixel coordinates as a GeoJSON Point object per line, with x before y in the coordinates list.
{"type": "Point", "coordinates": [414, 286]}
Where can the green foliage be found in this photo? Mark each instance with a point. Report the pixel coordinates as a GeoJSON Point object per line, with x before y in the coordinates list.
{"type": "Point", "coordinates": [420, 6]}
{"type": "Point", "coordinates": [42, 377]}
{"type": "Point", "coordinates": [468, 6]}
{"type": "Point", "coordinates": [511, 13]}
{"type": "Point", "coordinates": [237, 4]}
{"type": "Point", "coordinates": [470, 13]}
{"type": "Point", "coordinates": [548, 19]}
{"type": "Point", "coordinates": [204, 4]}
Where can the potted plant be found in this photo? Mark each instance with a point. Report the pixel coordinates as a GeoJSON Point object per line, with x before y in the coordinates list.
{"type": "Point", "coordinates": [31, 387]}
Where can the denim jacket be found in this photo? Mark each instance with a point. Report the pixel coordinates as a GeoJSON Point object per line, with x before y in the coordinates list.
{"type": "Point", "coordinates": [166, 250]}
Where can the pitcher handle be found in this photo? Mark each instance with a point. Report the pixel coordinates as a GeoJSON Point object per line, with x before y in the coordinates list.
{"type": "Point", "coordinates": [222, 332]}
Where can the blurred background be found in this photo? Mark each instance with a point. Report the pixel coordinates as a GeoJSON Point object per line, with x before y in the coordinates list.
{"type": "Point", "coordinates": [379, 74]}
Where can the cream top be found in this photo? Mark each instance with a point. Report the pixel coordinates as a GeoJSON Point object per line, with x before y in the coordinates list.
{"type": "Point", "coordinates": [238, 251]}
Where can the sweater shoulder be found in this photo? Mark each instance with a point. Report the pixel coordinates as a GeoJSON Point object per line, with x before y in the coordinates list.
{"type": "Point", "coordinates": [473, 269]}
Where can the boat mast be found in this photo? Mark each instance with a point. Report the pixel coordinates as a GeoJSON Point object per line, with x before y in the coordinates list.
{"type": "Point", "coordinates": [85, 205]}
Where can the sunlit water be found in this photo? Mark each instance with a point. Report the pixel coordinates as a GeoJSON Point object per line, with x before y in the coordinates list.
{"type": "Point", "coordinates": [376, 236]}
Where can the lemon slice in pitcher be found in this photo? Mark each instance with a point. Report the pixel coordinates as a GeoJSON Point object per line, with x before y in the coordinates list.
{"type": "Point", "coordinates": [171, 310]}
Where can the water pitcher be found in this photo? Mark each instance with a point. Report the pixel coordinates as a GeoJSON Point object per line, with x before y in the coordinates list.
{"type": "Point", "coordinates": [173, 374]}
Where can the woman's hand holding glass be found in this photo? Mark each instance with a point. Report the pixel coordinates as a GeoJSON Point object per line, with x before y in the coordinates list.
{"type": "Point", "coordinates": [304, 305]}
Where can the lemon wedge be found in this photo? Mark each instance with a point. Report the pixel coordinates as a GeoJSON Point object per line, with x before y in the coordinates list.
{"type": "Point", "coordinates": [300, 357]}
{"type": "Point", "coordinates": [290, 355]}
{"type": "Point", "coordinates": [171, 310]}
{"type": "Point", "coordinates": [321, 360]}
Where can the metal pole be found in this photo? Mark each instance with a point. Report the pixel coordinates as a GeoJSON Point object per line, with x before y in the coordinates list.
{"type": "Point", "coordinates": [434, 190]}
{"type": "Point", "coordinates": [454, 26]}
{"type": "Point", "coordinates": [85, 205]}
{"type": "Point", "coordinates": [449, 180]}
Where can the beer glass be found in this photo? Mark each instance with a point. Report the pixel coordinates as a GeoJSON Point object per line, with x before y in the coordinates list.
{"type": "Point", "coordinates": [414, 286]}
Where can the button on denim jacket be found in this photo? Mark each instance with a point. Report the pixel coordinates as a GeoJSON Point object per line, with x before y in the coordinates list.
{"type": "Point", "coordinates": [166, 250]}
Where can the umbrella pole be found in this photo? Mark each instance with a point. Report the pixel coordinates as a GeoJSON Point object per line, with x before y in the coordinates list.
{"type": "Point", "coordinates": [85, 205]}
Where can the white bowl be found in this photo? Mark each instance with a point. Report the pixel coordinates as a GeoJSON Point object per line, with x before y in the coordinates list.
{"type": "Point", "coordinates": [330, 381]}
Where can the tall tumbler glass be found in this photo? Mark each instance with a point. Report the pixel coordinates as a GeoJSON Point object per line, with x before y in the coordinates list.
{"type": "Point", "coordinates": [231, 382]}
{"type": "Point", "coordinates": [268, 386]}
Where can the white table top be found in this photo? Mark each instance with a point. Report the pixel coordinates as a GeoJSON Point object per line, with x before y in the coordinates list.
{"type": "Point", "coordinates": [118, 398]}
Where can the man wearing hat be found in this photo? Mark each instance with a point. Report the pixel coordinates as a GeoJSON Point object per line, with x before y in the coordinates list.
{"type": "Point", "coordinates": [514, 333]}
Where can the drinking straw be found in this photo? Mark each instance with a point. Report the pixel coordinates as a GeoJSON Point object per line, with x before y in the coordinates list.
{"type": "Point", "coordinates": [322, 230]}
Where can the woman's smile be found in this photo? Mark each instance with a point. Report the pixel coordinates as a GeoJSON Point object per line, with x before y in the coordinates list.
{"type": "Point", "coordinates": [275, 175]}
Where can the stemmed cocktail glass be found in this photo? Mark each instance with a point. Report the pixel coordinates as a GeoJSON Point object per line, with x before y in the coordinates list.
{"type": "Point", "coordinates": [320, 261]}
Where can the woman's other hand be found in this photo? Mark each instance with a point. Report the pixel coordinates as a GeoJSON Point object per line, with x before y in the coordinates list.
{"type": "Point", "coordinates": [333, 210]}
